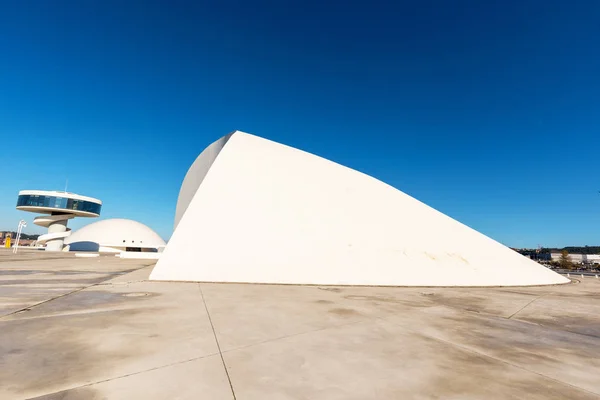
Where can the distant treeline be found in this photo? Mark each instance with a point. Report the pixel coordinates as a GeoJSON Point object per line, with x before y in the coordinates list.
{"type": "Point", "coordinates": [23, 235]}
{"type": "Point", "coordinates": [573, 250]}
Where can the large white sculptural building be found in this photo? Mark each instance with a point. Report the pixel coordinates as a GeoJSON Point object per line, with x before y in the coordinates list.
{"type": "Point", "coordinates": [59, 208]}
{"type": "Point", "coordinates": [115, 236]}
{"type": "Point", "coordinates": [252, 210]}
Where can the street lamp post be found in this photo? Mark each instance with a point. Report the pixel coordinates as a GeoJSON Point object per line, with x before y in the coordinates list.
{"type": "Point", "coordinates": [22, 224]}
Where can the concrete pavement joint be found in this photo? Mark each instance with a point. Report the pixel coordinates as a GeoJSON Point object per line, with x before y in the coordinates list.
{"type": "Point", "coordinates": [120, 283]}
{"type": "Point", "coordinates": [66, 314]}
{"type": "Point", "coordinates": [464, 332]}
{"type": "Point", "coordinates": [363, 319]}
{"type": "Point", "coordinates": [59, 296]}
{"type": "Point", "coordinates": [473, 351]}
{"type": "Point", "coordinates": [527, 305]}
{"type": "Point", "coordinates": [367, 318]}
{"type": "Point", "coordinates": [126, 375]}
{"type": "Point", "coordinates": [573, 332]}
{"type": "Point", "coordinates": [301, 333]}
{"type": "Point", "coordinates": [107, 283]}
{"type": "Point", "coordinates": [492, 315]}
{"type": "Point", "coordinates": [217, 342]}
{"type": "Point", "coordinates": [46, 301]}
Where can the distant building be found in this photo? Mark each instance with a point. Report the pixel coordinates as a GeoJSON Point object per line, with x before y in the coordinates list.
{"type": "Point", "coordinates": [578, 258]}
{"type": "Point", "coordinates": [534, 254]}
{"type": "Point", "coordinates": [58, 208]}
{"type": "Point", "coordinates": [26, 242]}
{"type": "Point", "coordinates": [8, 236]}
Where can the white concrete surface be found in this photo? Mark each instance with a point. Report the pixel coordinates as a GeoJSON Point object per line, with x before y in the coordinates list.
{"type": "Point", "coordinates": [267, 213]}
{"type": "Point", "coordinates": [139, 255]}
{"type": "Point", "coordinates": [97, 329]}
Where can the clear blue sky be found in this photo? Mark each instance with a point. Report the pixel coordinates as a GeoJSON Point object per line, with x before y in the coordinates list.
{"type": "Point", "coordinates": [487, 111]}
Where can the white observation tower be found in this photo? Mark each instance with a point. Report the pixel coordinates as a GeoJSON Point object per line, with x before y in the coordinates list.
{"type": "Point", "coordinates": [59, 208]}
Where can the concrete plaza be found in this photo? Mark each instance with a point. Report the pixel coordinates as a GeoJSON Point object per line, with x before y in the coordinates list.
{"type": "Point", "coordinates": [96, 328]}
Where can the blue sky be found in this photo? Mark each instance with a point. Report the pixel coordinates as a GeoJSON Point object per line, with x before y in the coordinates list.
{"type": "Point", "coordinates": [487, 111]}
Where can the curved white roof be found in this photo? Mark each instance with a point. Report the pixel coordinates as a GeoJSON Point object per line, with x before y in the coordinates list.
{"type": "Point", "coordinates": [252, 210]}
{"type": "Point", "coordinates": [117, 233]}
{"type": "Point", "coordinates": [195, 175]}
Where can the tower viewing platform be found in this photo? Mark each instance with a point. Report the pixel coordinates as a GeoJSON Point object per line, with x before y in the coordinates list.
{"type": "Point", "coordinates": [59, 208]}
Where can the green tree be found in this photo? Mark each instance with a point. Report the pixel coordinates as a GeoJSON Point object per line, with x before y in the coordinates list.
{"type": "Point", "coordinates": [564, 260]}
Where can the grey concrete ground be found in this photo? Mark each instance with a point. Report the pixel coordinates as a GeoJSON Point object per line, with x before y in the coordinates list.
{"type": "Point", "coordinates": [74, 328]}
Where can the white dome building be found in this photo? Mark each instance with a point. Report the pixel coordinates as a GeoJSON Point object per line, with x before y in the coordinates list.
{"type": "Point", "coordinates": [115, 236]}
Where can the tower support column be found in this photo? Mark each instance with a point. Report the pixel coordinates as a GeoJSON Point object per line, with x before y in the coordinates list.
{"type": "Point", "coordinates": [57, 243]}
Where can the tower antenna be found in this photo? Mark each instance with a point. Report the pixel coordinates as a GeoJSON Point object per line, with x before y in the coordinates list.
{"type": "Point", "coordinates": [66, 184]}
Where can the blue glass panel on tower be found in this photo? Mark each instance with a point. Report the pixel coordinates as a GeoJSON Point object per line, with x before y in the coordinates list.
{"type": "Point", "coordinates": [59, 203]}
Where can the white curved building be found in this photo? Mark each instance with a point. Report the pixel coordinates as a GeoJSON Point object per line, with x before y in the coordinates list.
{"type": "Point", "coordinates": [60, 207]}
{"type": "Point", "coordinates": [252, 210]}
{"type": "Point", "coordinates": [115, 236]}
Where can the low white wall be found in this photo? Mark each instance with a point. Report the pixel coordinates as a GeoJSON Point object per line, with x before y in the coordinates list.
{"type": "Point", "coordinates": [139, 255]}
{"type": "Point", "coordinates": [87, 255]}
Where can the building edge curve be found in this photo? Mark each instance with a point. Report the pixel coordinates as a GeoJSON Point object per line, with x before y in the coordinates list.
{"type": "Point", "coordinates": [195, 175]}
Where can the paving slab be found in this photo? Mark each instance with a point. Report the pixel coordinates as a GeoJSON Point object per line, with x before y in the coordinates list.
{"type": "Point", "coordinates": [101, 332]}
{"type": "Point", "coordinates": [560, 355]}
{"type": "Point", "coordinates": [33, 277]}
{"type": "Point", "coordinates": [380, 360]}
{"type": "Point", "coordinates": [75, 328]}
{"type": "Point", "coordinates": [566, 310]}
{"type": "Point", "coordinates": [262, 312]}
{"type": "Point", "coordinates": [202, 378]}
